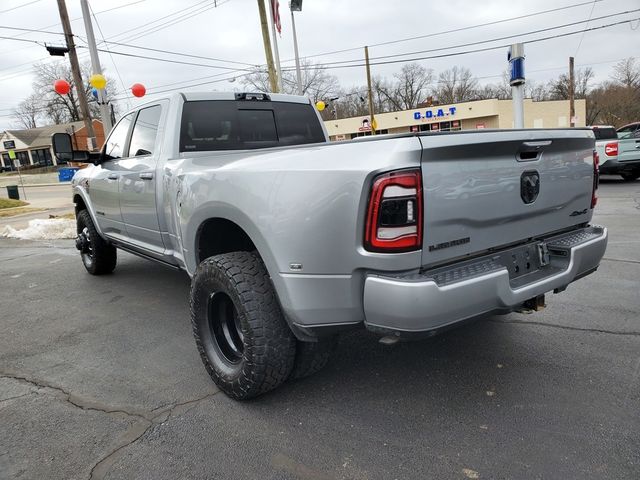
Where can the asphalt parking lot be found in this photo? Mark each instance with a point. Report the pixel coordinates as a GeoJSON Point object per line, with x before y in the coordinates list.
{"type": "Point", "coordinates": [100, 378]}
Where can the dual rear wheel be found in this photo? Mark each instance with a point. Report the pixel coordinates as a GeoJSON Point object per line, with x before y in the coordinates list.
{"type": "Point", "coordinates": [242, 337]}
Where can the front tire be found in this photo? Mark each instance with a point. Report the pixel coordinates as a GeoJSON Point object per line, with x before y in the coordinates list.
{"type": "Point", "coordinates": [241, 334]}
{"type": "Point", "coordinates": [98, 256]}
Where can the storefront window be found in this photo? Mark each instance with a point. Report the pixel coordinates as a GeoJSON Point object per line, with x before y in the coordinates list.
{"type": "Point", "coordinates": [23, 158]}
{"type": "Point", "coordinates": [437, 127]}
{"type": "Point", "coordinates": [6, 161]}
{"type": "Point", "coordinates": [42, 157]}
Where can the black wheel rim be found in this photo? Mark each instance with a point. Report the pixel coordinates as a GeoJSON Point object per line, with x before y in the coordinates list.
{"type": "Point", "coordinates": [87, 249]}
{"type": "Point", "coordinates": [224, 324]}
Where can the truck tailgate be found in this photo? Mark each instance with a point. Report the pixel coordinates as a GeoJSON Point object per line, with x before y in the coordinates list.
{"type": "Point", "coordinates": [484, 190]}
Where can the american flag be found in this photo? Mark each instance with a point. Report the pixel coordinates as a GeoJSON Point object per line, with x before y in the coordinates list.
{"type": "Point", "coordinates": [275, 8]}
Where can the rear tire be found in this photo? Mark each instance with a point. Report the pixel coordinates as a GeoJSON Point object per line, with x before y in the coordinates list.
{"type": "Point", "coordinates": [630, 177]}
{"type": "Point", "coordinates": [240, 332]}
{"type": "Point", "coordinates": [98, 256]}
{"type": "Point", "coordinates": [311, 357]}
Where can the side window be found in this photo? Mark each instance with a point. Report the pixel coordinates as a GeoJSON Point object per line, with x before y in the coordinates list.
{"type": "Point", "coordinates": [145, 131]}
{"type": "Point", "coordinates": [114, 147]}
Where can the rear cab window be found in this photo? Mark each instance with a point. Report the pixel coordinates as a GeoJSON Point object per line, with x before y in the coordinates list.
{"type": "Point", "coordinates": [209, 125]}
{"type": "Point", "coordinates": [605, 133]}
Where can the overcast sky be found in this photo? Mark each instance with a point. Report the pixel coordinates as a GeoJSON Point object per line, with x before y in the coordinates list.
{"type": "Point", "coordinates": [231, 32]}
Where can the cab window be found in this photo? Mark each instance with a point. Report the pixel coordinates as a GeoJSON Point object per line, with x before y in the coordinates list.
{"type": "Point", "coordinates": [114, 147]}
{"type": "Point", "coordinates": [145, 131]}
{"type": "Point", "coordinates": [629, 131]}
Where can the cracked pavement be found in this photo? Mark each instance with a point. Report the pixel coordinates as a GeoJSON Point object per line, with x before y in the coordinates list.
{"type": "Point", "coordinates": [100, 379]}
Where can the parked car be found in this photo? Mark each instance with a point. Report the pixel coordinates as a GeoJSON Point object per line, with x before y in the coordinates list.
{"type": "Point", "coordinates": [290, 239]}
{"type": "Point", "coordinates": [628, 164]}
{"type": "Point", "coordinates": [607, 147]}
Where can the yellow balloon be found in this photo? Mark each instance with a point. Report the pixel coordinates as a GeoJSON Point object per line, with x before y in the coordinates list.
{"type": "Point", "coordinates": [320, 105]}
{"type": "Point", "coordinates": [97, 81]}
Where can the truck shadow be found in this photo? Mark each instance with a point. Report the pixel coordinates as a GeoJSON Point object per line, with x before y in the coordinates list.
{"type": "Point", "coordinates": [469, 362]}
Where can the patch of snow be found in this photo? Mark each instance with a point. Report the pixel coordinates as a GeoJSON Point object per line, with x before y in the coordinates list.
{"type": "Point", "coordinates": [43, 229]}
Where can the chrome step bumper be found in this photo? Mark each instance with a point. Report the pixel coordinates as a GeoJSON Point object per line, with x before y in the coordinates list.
{"type": "Point", "coordinates": [439, 298]}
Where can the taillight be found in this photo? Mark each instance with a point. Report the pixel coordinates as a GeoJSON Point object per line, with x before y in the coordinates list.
{"type": "Point", "coordinates": [394, 214]}
{"type": "Point", "coordinates": [611, 149]}
{"type": "Point", "coordinates": [596, 179]}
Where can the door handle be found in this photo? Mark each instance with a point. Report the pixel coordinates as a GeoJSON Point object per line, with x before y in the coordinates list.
{"type": "Point", "coordinates": [113, 176]}
{"type": "Point", "coordinates": [146, 175]}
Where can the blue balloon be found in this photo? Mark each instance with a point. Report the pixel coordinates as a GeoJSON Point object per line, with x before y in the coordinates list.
{"type": "Point", "coordinates": [94, 92]}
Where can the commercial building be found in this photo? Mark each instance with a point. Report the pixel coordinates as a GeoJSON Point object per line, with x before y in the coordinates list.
{"type": "Point", "coordinates": [461, 116]}
{"type": "Point", "coordinates": [33, 146]}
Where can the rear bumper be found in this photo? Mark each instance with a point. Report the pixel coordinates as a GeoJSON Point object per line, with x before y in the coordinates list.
{"type": "Point", "coordinates": [434, 300]}
{"type": "Point", "coordinates": [615, 166]}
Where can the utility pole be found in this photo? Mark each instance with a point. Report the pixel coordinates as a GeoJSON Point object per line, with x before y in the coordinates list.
{"type": "Point", "coordinates": [296, 6]}
{"type": "Point", "coordinates": [267, 47]}
{"type": "Point", "coordinates": [95, 63]}
{"type": "Point", "coordinates": [372, 119]}
{"type": "Point", "coordinates": [275, 45]}
{"type": "Point", "coordinates": [75, 70]}
{"type": "Point", "coordinates": [572, 89]}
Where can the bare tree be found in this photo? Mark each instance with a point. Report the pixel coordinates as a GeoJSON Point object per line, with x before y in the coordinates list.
{"type": "Point", "coordinates": [456, 84]}
{"type": "Point", "coordinates": [51, 106]}
{"type": "Point", "coordinates": [537, 92]}
{"type": "Point", "coordinates": [412, 84]}
{"type": "Point", "coordinates": [627, 73]}
{"type": "Point", "coordinates": [317, 84]}
{"type": "Point", "coordinates": [27, 113]}
{"type": "Point", "coordinates": [350, 103]}
{"type": "Point", "coordinates": [559, 88]}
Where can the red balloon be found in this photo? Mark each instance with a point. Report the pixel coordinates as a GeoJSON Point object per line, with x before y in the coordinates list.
{"type": "Point", "coordinates": [138, 90]}
{"type": "Point", "coordinates": [62, 87]}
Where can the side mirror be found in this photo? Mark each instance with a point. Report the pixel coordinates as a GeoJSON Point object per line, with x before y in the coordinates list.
{"type": "Point", "coordinates": [64, 152]}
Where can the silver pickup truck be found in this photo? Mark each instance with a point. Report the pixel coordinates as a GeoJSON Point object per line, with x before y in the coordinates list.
{"type": "Point", "coordinates": [290, 239]}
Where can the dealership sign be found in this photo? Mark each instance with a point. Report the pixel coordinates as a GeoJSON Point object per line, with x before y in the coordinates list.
{"type": "Point", "coordinates": [435, 113]}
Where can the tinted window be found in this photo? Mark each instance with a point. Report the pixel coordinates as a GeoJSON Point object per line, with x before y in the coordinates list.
{"type": "Point", "coordinates": [257, 128]}
{"type": "Point", "coordinates": [115, 144]}
{"type": "Point", "coordinates": [145, 130]}
{"type": "Point", "coordinates": [604, 133]}
{"type": "Point", "coordinates": [237, 125]}
{"type": "Point", "coordinates": [628, 131]}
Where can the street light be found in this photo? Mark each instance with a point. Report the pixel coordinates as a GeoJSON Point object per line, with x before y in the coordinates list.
{"type": "Point", "coordinates": [296, 6]}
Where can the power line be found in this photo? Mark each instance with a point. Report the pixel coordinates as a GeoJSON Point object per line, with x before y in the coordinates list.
{"type": "Point", "coordinates": [217, 75]}
{"type": "Point", "coordinates": [97, 13]}
{"type": "Point", "coordinates": [30, 30]}
{"type": "Point", "coordinates": [167, 60]}
{"type": "Point", "coordinates": [147, 24]}
{"type": "Point", "coordinates": [182, 54]}
{"type": "Point", "coordinates": [347, 63]}
{"type": "Point", "coordinates": [582, 37]}
{"type": "Point", "coordinates": [175, 21]}
{"type": "Point", "coordinates": [469, 44]}
{"type": "Point", "coordinates": [19, 6]}
{"type": "Point", "coordinates": [128, 5]}
{"type": "Point", "coordinates": [20, 40]}
{"type": "Point", "coordinates": [455, 30]}
{"type": "Point", "coordinates": [485, 49]}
